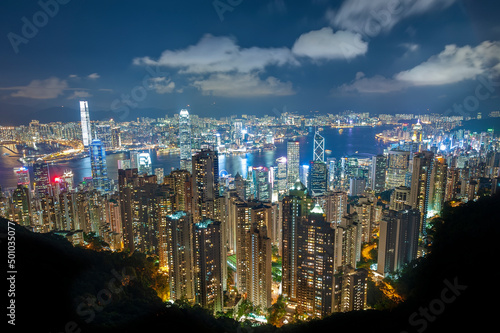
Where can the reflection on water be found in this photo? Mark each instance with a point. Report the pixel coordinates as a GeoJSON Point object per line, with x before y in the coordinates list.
{"type": "Point", "coordinates": [350, 141]}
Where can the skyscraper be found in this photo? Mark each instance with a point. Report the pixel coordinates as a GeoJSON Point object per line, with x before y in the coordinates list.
{"type": "Point", "coordinates": [293, 161]}
{"type": "Point", "coordinates": [180, 255]}
{"type": "Point", "coordinates": [296, 206]}
{"type": "Point", "coordinates": [280, 179]}
{"type": "Point", "coordinates": [41, 177]}
{"type": "Point", "coordinates": [398, 164]}
{"type": "Point", "coordinates": [379, 166]}
{"type": "Point", "coordinates": [85, 121]}
{"type": "Point", "coordinates": [207, 264]}
{"type": "Point", "coordinates": [315, 265]}
{"type": "Point", "coordinates": [259, 276]}
{"type": "Point", "coordinates": [261, 184]}
{"type": "Point", "coordinates": [319, 147]}
{"type": "Point", "coordinates": [98, 166]}
{"type": "Point", "coordinates": [185, 140]}
{"type": "Point", "coordinates": [318, 178]}
{"type": "Point", "coordinates": [421, 181]}
{"type": "Point", "coordinates": [205, 166]}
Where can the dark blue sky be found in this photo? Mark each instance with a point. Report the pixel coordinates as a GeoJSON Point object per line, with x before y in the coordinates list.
{"type": "Point", "coordinates": [132, 58]}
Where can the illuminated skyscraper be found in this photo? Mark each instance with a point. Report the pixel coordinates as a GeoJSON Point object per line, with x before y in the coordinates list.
{"type": "Point", "coordinates": [85, 120]}
{"type": "Point", "coordinates": [280, 179]}
{"type": "Point", "coordinates": [318, 178]}
{"type": "Point", "coordinates": [315, 265]}
{"type": "Point", "coordinates": [23, 176]}
{"type": "Point", "coordinates": [319, 147]}
{"type": "Point", "coordinates": [398, 164]}
{"type": "Point", "coordinates": [41, 178]}
{"type": "Point", "coordinates": [207, 264]}
{"type": "Point", "coordinates": [296, 206]}
{"type": "Point", "coordinates": [98, 166]}
{"type": "Point", "coordinates": [379, 166]}
{"type": "Point", "coordinates": [180, 255]}
{"type": "Point", "coordinates": [421, 183]}
{"type": "Point", "coordinates": [185, 140]}
{"type": "Point", "coordinates": [205, 171]}
{"type": "Point", "coordinates": [261, 184]}
{"type": "Point", "coordinates": [293, 161]}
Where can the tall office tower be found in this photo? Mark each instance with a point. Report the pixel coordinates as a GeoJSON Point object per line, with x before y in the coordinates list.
{"type": "Point", "coordinates": [261, 184]}
{"type": "Point", "coordinates": [357, 186]}
{"type": "Point", "coordinates": [398, 164]}
{"type": "Point", "coordinates": [259, 277]}
{"type": "Point", "coordinates": [293, 161]}
{"type": "Point", "coordinates": [23, 176]}
{"type": "Point", "coordinates": [85, 121]}
{"type": "Point", "coordinates": [318, 178]}
{"type": "Point", "coordinates": [438, 185]}
{"type": "Point", "coordinates": [98, 166]}
{"type": "Point", "coordinates": [180, 181]}
{"type": "Point", "coordinates": [21, 206]}
{"type": "Point", "coordinates": [319, 148]}
{"type": "Point", "coordinates": [185, 139]}
{"type": "Point", "coordinates": [180, 255]}
{"type": "Point", "coordinates": [41, 179]}
{"type": "Point", "coordinates": [331, 164]}
{"type": "Point", "coordinates": [144, 164]}
{"type": "Point", "coordinates": [334, 205]}
{"type": "Point", "coordinates": [379, 166]}
{"type": "Point", "coordinates": [280, 179]}
{"type": "Point", "coordinates": [207, 264]}
{"type": "Point", "coordinates": [304, 175]}
{"type": "Point", "coordinates": [205, 183]}
{"type": "Point", "coordinates": [296, 206]}
{"type": "Point", "coordinates": [353, 287]}
{"type": "Point", "coordinates": [400, 198]}
{"type": "Point", "coordinates": [421, 181]}
{"type": "Point", "coordinates": [315, 266]}
{"type": "Point", "coordinates": [159, 175]}
{"type": "Point", "coordinates": [398, 240]}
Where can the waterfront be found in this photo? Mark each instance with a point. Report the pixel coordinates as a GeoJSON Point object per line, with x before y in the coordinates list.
{"type": "Point", "coordinates": [357, 141]}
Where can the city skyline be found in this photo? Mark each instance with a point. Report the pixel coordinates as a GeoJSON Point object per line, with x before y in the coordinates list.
{"type": "Point", "coordinates": [249, 166]}
{"type": "Point", "coordinates": [332, 56]}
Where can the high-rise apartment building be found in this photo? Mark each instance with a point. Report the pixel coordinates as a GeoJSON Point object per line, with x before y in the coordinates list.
{"type": "Point", "coordinates": [378, 169]}
{"type": "Point", "coordinates": [296, 206]}
{"type": "Point", "coordinates": [185, 140]}
{"type": "Point", "coordinates": [205, 177]}
{"type": "Point", "coordinates": [318, 178]}
{"type": "Point", "coordinates": [293, 161]}
{"type": "Point", "coordinates": [208, 259]}
{"type": "Point", "coordinates": [398, 164]}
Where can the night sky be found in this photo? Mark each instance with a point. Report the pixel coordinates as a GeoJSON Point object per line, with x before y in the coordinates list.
{"type": "Point", "coordinates": [151, 58]}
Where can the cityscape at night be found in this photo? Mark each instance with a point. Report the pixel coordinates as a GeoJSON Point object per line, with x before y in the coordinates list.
{"type": "Point", "coordinates": [233, 166]}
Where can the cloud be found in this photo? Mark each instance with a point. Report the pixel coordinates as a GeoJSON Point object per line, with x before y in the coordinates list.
{"type": "Point", "coordinates": [242, 85]}
{"type": "Point", "coordinates": [161, 85]}
{"type": "Point", "coordinates": [326, 44]}
{"type": "Point", "coordinates": [93, 76]}
{"type": "Point", "coordinates": [218, 55]}
{"type": "Point", "coordinates": [79, 94]}
{"type": "Point", "coordinates": [40, 89]}
{"type": "Point", "coordinates": [376, 84]}
{"type": "Point", "coordinates": [373, 16]}
{"type": "Point", "coordinates": [410, 47]}
{"type": "Point", "coordinates": [454, 64]}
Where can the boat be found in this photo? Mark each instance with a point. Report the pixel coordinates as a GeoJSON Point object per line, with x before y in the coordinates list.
{"type": "Point", "coordinates": [340, 131]}
{"type": "Point", "coordinates": [328, 151]}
